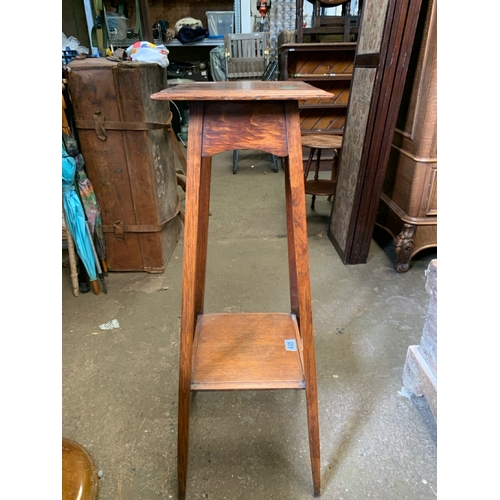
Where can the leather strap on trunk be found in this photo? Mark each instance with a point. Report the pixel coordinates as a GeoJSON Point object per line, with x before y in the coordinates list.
{"type": "Point", "coordinates": [119, 228]}
{"type": "Point", "coordinates": [101, 125]}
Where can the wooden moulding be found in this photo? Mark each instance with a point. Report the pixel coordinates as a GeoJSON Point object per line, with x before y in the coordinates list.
{"type": "Point", "coordinates": [246, 351]}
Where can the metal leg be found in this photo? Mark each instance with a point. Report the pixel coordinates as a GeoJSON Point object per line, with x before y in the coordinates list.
{"type": "Point", "coordinates": [236, 154]}
{"type": "Point", "coordinates": [276, 167]}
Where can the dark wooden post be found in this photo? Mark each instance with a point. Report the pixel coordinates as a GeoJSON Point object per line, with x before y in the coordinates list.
{"type": "Point", "coordinates": [146, 25]}
{"type": "Point", "coordinates": [380, 69]}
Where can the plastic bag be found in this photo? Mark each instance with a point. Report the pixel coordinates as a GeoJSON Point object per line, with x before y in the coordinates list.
{"type": "Point", "coordinates": [73, 44]}
{"type": "Point", "coordinates": [218, 63]}
{"type": "Point", "coordinates": [149, 52]}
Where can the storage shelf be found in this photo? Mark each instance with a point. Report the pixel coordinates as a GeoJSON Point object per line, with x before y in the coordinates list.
{"type": "Point", "coordinates": [312, 77]}
{"type": "Point", "coordinates": [308, 47]}
{"type": "Point", "coordinates": [207, 42]}
{"type": "Point", "coordinates": [246, 351]}
{"type": "Point", "coordinates": [323, 106]}
{"type": "Point", "coordinates": [330, 131]}
{"type": "Point", "coordinates": [330, 30]}
{"type": "Point", "coordinates": [328, 66]}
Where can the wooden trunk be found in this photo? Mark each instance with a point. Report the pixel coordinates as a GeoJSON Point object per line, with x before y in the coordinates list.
{"type": "Point", "coordinates": [129, 159]}
{"type": "Point", "coordinates": [408, 207]}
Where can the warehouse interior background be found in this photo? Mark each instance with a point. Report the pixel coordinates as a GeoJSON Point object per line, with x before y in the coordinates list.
{"type": "Point", "coordinates": [467, 319]}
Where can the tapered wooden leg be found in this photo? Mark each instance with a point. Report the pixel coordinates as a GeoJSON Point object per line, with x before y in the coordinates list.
{"type": "Point", "coordinates": [201, 256]}
{"type": "Point", "coordinates": [188, 318]}
{"type": "Point", "coordinates": [298, 213]}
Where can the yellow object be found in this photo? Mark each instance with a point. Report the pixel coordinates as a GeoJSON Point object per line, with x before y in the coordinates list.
{"type": "Point", "coordinates": [65, 124]}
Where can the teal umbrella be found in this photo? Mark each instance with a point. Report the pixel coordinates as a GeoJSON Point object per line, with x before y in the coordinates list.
{"type": "Point", "coordinates": [88, 198]}
{"type": "Point", "coordinates": [75, 218]}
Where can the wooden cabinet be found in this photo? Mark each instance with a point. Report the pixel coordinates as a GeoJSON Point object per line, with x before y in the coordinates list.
{"type": "Point", "coordinates": [408, 206]}
{"type": "Point", "coordinates": [327, 66]}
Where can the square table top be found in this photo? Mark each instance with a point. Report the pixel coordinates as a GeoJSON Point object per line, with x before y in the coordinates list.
{"type": "Point", "coordinates": [243, 90]}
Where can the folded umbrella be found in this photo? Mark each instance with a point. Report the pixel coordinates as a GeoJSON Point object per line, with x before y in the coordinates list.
{"type": "Point", "coordinates": [89, 200]}
{"type": "Point", "coordinates": [75, 219]}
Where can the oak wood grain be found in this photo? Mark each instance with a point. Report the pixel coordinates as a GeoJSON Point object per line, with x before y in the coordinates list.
{"type": "Point", "coordinates": [241, 91]}
{"type": "Point", "coordinates": [246, 351]}
{"type": "Point", "coordinates": [318, 141]}
{"type": "Point", "coordinates": [232, 125]}
{"type": "Point", "coordinates": [191, 249]}
{"type": "Point", "coordinates": [301, 259]}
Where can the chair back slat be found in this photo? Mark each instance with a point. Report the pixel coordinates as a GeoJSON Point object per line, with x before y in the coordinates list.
{"type": "Point", "coordinates": [247, 55]}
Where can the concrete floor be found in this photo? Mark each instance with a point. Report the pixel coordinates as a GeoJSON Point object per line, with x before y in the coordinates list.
{"type": "Point", "coordinates": [119, 389]}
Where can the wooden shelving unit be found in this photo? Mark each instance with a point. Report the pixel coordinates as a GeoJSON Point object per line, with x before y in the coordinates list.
{"type": "Point", "coordinates": [327, 66]}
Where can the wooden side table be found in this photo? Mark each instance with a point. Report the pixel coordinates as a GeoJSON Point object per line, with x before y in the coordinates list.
{"type": "Point", "coordinates": [245, 350]}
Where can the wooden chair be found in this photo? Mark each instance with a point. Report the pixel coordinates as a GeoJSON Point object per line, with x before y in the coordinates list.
{"type": "Point", "coordinates": [317, 143]}
{"type": "Point", "coordinates": [321, 24]}
{"type": "Point", "coordinates": [247, 55]}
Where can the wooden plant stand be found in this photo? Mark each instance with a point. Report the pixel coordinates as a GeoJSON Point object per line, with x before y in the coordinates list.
{"type": "Point", "coordinates": [226, 351]}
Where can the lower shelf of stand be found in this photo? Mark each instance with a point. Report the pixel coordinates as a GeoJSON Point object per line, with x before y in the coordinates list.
{"type": "Point", "coordinates": [246, 351]}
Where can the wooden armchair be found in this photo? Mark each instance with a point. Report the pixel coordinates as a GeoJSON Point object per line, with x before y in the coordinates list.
{"type": "Point", "coordinates": [321, 24]}
{"type": "Point", "coordinates": [247, 55]}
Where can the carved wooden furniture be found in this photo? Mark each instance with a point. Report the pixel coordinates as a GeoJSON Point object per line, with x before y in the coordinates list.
{"type": "Point", "coordinates": [380, 69]}
{"type": "Point", "coordinates": [408, 207]}
{"type": "Point", "coordinates": [214, 347]}
{"type": "Point", "coordinates": [318, 143]}
{"type": "Point", "coordinates": [327, 66]}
